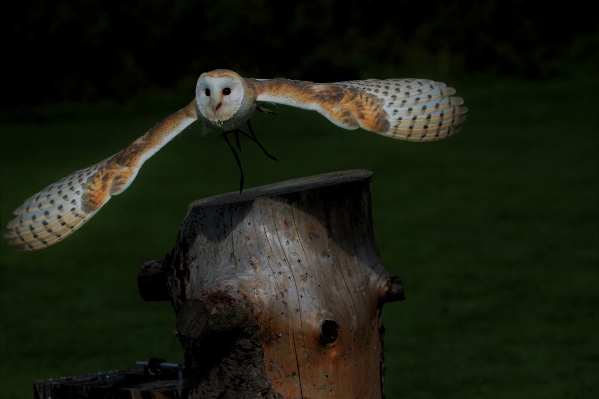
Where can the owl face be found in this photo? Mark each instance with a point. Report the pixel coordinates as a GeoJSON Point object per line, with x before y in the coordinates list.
{"type": "Point", "coordinates": [219, 96]}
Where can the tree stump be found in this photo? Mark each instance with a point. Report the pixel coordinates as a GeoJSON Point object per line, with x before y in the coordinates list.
{"type": "Point", "coordinates": [278, 291]}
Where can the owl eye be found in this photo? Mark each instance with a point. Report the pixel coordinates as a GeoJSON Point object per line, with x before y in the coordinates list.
{"type": "Point", "coordinates": [207, 92]}
{"type": "Point", "coordinates": [226, 91]}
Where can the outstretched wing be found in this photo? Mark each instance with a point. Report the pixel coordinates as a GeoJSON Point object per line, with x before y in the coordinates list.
{"type": "Point", "coordinates": [408, 109]}
{"type": "Point", "coordinates": [63, 207]}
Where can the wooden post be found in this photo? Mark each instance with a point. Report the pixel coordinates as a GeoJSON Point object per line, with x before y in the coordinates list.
{"type": "Point", "coordinates": [278, 291]}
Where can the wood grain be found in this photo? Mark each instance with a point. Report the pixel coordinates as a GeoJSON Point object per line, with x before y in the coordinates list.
{"type": "Point", "coordinates": [293, 285]}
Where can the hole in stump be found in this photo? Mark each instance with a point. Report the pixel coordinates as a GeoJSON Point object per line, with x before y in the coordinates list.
{"type": "Point", "coordinates": [329, 331]}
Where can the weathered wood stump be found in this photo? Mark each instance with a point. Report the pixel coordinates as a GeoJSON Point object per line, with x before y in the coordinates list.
{"type": "Point", "coordinates": [278, 291]}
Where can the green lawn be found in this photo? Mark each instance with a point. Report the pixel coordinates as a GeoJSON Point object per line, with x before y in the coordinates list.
{"type": "Point", "coordinates": [494, 231]}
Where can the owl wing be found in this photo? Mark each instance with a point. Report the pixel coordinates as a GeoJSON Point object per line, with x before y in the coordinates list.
{"type": "Point", "coordinates": [63, 207]}
{"type": "Point", "coordinates": [408, 109]}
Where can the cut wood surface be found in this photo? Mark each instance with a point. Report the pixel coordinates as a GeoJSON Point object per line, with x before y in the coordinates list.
{"type": "Point", "coordinates": [278, 291]}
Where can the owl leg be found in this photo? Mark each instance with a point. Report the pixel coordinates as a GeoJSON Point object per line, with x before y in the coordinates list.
{"type": "Point", "coordinates": [241, 178]}
{"type": "Point", "coordinates": [237, 139]}
{"type": "Point", "coordinates": [255, 140]}
{"type": "Point", "coordinates": [250, 136]}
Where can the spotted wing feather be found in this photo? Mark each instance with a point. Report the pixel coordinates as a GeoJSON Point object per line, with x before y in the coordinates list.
{"type": "Point", "coordinates": [408, 109]}
{"type": "Point", "coordinates": [63, 207]}
{"type": "Point", "coordinates": [53, 213]}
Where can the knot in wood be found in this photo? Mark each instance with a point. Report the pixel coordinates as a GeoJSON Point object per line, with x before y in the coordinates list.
{"type": "Point", "coordinates": [329, 331]}
{"type": "Point", "coordinates": [192, 319]}
{"type": "Point", "coordinates": [395, 290]}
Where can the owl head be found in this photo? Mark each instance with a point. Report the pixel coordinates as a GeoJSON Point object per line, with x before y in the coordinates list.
{"type": "Point", "coordinates": [219, 94]}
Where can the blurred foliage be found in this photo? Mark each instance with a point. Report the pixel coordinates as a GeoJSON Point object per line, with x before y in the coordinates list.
{"type": "Point", "coordinates": [84, 50]}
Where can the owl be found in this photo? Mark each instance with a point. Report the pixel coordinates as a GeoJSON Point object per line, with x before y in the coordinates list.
{"type": "Point", "coordinates": [407, 109]}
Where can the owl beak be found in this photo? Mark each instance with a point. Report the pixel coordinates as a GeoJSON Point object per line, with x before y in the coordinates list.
{"type": "Point", "coordinates": [217, 108]}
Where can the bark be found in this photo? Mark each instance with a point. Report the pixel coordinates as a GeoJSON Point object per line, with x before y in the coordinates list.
{"type": "Point", "coordinates": [278, 291]}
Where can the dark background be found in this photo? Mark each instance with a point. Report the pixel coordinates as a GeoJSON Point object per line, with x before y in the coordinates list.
{"type": "Point", "coordinates": [85, 50]}
{"type": "Point", "coordinates": [495, 231]}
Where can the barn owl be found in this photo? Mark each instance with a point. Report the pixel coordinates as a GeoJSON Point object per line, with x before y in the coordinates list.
{"type": "Point", "coordinates": [408, 109]}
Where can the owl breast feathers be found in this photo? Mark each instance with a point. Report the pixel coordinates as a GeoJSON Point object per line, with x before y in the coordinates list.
{"type": "Point", "coordinates": [408, 109]}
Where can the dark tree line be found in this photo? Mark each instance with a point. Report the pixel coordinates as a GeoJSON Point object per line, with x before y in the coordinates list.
{"type": "Point", "coordinates": [83, 50]}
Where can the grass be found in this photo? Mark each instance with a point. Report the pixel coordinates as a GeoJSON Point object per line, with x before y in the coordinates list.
{"type": "Point", "coordinates": [495, 233]}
